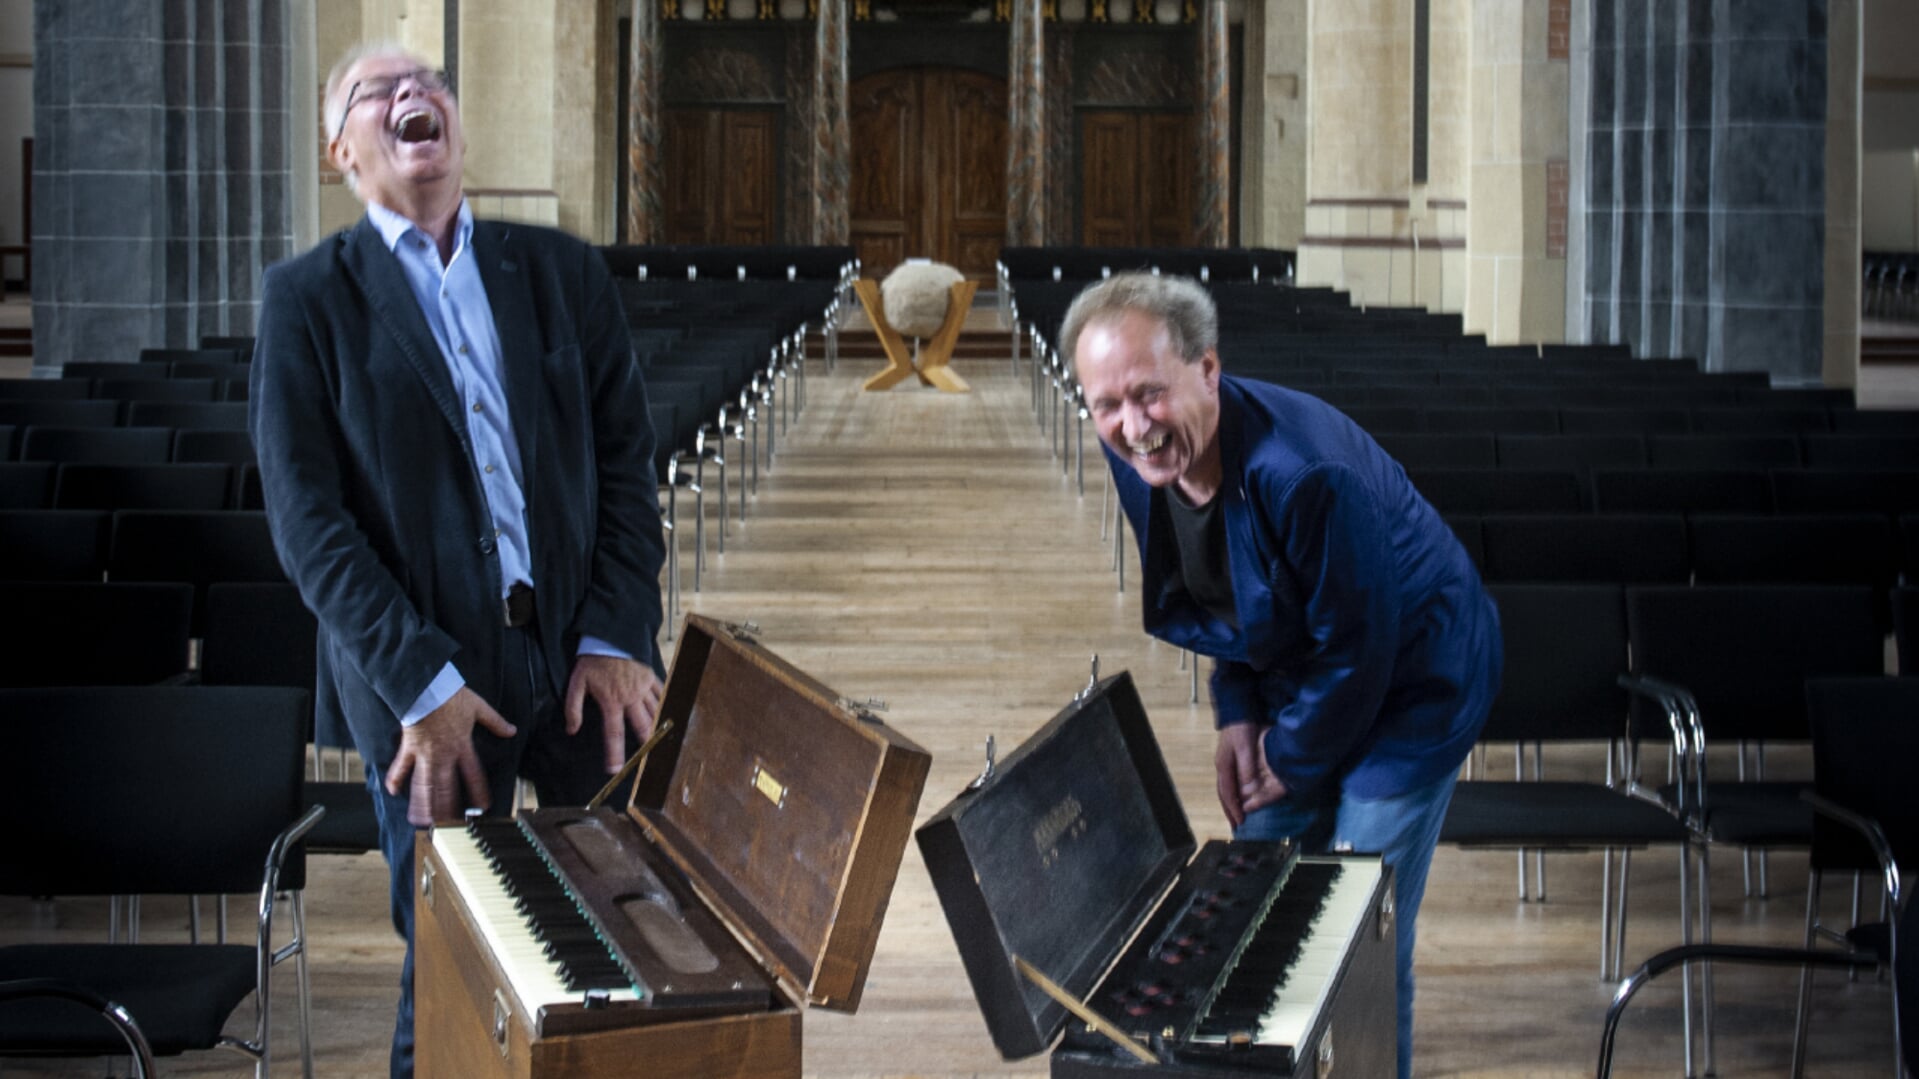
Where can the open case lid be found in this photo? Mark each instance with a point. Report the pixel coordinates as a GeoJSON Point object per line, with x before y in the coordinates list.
{"type": "Point", "coordinates": [787, 806]}
{"type": "Point", "coordinates": [1058, 857]}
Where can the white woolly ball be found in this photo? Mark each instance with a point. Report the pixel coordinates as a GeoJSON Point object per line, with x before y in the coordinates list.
{"type": "Point", "coordinates": [915, 297]}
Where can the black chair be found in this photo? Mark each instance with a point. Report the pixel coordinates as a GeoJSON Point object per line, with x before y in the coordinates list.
{"type": "Point", "coordinates": [1809, 491]}
{"type": "Point", "coordinates": [95, 369]}
{"type": "Point", "coordinates": [197, 547]}
{"type": "Point", "coordinates": [1625, 421]}
{"type": "Point", "coordinates": [1866, 453]}
{"type": "Point", "coordinates": [93, 633]}
{"type": "Point", "coordinates": [188, 415]}
{"type": "Point", "coordinates": [43, 389]}
{"type": "Point", "coordinates": [1760, 420]}
{"type": "Point", "coordinates": [1875, 421]}
{"type": "Point", "coordinates": [1606, 549]}
{"type": "Point", "coordinates": [26, 485]}
{"type": "Point", "coordinates": [54, 545]}
{"type": "Point", "coordinates": [1857, 548]}
{"type": "Point", "coordinates": [1864, 738]}
{"type": "Point", "coordinates": [1578, 454]}
{"type": "Point", "coordinates": [1491, 420]}
{"type": "Point", "coordinates": [1565, 648]}
{"type": "Point", "coordinates": [156, 389]}
{"type": "Point", "coordinates": [151, 487]}
{"type": "Point", "coordinates": [97, 445]}
{"type": "Point", "coordinates": [191, 446]}
{"type": "Point", "coordinates": [1732, 662]}
{"type": "Point", "coordinates": [210, 354]}
{"type": "Point", "coordinates": [60, 413]}
{"type": "Point", "coordinates": [1486, 491]}
{"type": "Point", "coordinates": [114, 1014]}
{"type": "Point", "coordinates": [1681, 490]}
{"type": "Point", "coordinates": [262, 635]}
{"type": "Point", "coordinates": [1440, 451]}
{"type": "Point", "coordinates": [191, 790]}
{"type": "Point", "coordinates": [1748, 452]}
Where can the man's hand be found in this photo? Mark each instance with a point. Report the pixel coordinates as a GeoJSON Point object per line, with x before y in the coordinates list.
{"type": "Point", "coordinates": [628, 693]}
{"type": "Point", "coordinates": [1246, 782]}
{"type": "Point", "coordinates": [438, 753]}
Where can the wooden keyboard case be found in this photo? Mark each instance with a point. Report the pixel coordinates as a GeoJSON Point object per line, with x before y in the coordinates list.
{"type": "Point", "coordinates": [1062, 856]}
{"type": "Point", "coordinates": [788, 811]}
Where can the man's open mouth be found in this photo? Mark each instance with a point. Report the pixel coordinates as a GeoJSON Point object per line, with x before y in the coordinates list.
{"type": "Point", "coordinates": [418, 125]}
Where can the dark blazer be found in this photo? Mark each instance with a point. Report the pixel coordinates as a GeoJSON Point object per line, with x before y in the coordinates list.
{"type": "Point", "coordinates": [371, 491]}
{"type": "Point", "coordinates": [1363, 634]}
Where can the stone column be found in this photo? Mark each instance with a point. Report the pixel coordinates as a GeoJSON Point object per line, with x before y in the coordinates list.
{"type": "Point", "coordinates": [160, 172]}
{"type": "Point", "coordinates": [832, 150]}
{"type": "Point", "coordinates": [1213, 205]}
{"type": "Point", "coordinates": [1844, 42]}
{"type": "Point", "coordinates": [1026, 129]}
{"type": "Point", "coordinates": [1706, 183]}
{"type": "Point", "coordinates": [644, 178]}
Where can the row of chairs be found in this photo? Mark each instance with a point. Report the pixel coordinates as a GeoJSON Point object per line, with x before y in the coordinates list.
{"type": "Point", "coordinates": [1718, 673]}
{"type": "Point", "coordinates": [1667, 490]}
{"type": "Point", "coordinates": [1019, 265]}
{"type": "Point", "coordinates": [1868, 549]}
{"type": "Point", "coordinates": [39, 485]}
{"type": "Point", "coordinates": [1756, 418]}
{"type": "Point", "coordinates": [1585, 452]}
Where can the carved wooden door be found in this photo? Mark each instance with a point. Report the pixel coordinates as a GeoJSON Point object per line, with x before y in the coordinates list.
{"type": "Point", "coordinates": [929, 169]}
{"type": "Point", "coordinates": [1136, 178]}
{"type": "Point", "coordinates": [722, 175]}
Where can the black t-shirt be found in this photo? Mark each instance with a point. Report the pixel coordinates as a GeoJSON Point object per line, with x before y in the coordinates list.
{"type": "Point", "coordinates": [1200, 534]}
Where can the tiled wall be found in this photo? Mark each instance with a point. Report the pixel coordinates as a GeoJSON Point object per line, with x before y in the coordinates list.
{"type": "Point", "coordinates": [1705, 181]}
{"type": "Point", "coordinates": [160, 172]}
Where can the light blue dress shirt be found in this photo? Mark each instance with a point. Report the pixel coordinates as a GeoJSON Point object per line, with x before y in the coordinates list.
{"type": "Point", "coordinates": [453, 299]}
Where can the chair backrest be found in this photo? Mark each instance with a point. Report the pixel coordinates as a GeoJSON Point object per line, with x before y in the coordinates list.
{"type": "Point", "coordinates": [196, 547]}
{"type": "Point", "coordinates": [26, 485]}
{"type": "Point", "coordinates": [154, 486]}
{"type": "Point", "coordinates": [79, 633]}
{"type": "Point", "coordinates": [257, 635]}
{"type": "Point", "coordinates": [1602, 549]}
{"type": "Point", "coordinates": [1565, 650]}
{"type": "Point", "coordinates": [1723, 451]}
{"type": "Point", "coordinates": [1483, 490]}
{"type": "Point", "coordinates": [97, 445]}
{"type": "Point", "coordinates": [1745, 651]}
{"type": "Point", "coordinates": [1865, 738]}
{"type": "Point", "coordinates": [213, 447]}
{"type": "Point", "coordinates": [1813, 549]}
{"type": "Point", "coordinates": [1810, 491]}
{"type": "Point", "coordinates": [148, 790]}
{"type": "Point", "coordinates": [1681, 490]}
{"type": "Point", "coordinates": [196, 415]}
{"type": "Point", "coordinates": [54, 545]}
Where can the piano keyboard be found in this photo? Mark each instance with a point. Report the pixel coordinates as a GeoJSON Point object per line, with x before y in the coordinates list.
{"type": "Point", "coordinates": [1243, 959]}
{"type": "Point", "coordinates": [1286, 972]}
{"type": "Point", "coordinates": [531, 927]}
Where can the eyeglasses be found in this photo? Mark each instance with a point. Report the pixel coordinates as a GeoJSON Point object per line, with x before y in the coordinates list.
{"type": "Point", "coordinates": [383, 87]}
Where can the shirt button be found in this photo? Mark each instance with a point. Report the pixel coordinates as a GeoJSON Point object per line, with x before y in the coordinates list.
{"type": "Point", "coordinates": [476, 407]}
{"type": "Point", "coordinates": [462, 350]}
{"type": "Point", "coordinates": [486, 545]}
{"type": "Point", "coordinates": [489, 470]}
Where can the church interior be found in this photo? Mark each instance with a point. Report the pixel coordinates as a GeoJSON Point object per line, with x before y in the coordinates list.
{"type": "Point", "coordinates": [1630, 288]}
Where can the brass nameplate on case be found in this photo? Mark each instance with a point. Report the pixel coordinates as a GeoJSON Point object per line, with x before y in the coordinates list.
{"type": "Point", "coordinates": [764, 782]}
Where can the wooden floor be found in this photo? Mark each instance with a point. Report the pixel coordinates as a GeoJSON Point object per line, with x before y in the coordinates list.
{"type": "Point", "coordinates": [928, 550]}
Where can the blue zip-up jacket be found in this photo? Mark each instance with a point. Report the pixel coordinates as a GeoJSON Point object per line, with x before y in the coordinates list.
{"type": "Point", "coordinates": [1365, 638]}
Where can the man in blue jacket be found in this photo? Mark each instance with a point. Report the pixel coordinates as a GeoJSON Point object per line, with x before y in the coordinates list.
{"type": "Point", "coordinates": [1356, 653]}
{"type": "Point", "coordinates": [458, 472]}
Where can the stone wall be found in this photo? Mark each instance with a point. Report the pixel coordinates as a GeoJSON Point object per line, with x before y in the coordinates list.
{"type": "Point", "coordinates": [160, 172]}
{"type": "Point", "coordinates": [1706, 182]}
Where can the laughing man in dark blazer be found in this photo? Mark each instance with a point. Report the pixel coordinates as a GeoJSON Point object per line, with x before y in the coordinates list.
{"type": "Point", "coordinates": [454, 448]}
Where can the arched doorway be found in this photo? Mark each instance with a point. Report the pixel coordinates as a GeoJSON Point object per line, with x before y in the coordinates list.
{"type": "Point", "coordinates": [929, 168]}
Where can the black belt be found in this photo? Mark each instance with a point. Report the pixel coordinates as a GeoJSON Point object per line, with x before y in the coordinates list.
{"type": "Point", "coordinates": [518, 605]}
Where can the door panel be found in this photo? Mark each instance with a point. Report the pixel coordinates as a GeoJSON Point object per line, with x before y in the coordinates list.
{"type": "Point", "coordinates": [722, 175]}
{"type": "Point", "coordinates": [929, 169]}
{"type": "Point", "coordinates": [1136, 178]}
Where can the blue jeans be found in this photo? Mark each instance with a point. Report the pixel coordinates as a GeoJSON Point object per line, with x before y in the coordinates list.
{"type": "Point", "coordinates": [1404, 828]}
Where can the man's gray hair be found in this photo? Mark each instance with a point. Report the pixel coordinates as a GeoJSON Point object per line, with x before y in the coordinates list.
{"type": "Point", "coordinates": [1186, 309]}
{"type": "Point", "coordinates": [334, 98]}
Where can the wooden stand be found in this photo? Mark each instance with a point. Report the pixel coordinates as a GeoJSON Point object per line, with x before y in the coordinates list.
{"type": "Point", "coordinates": [934, 355]}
